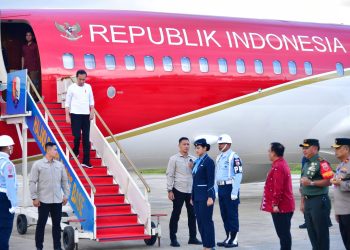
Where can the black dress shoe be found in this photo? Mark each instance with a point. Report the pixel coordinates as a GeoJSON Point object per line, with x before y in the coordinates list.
{"type": "Point", "coordinates": [229, 245]}
{"type": "Point", "coordinates": [302, 226]}
{"type": "Point", "coordinates": [222, 244]}
{"type": "Point", "coordinates": [194, 241]}
{"type": "Point", "coordinates": [175, 243]}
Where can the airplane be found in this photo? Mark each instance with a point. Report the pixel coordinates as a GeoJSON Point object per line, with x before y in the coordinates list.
{"type": "Point", "coordinates": [157, 77]}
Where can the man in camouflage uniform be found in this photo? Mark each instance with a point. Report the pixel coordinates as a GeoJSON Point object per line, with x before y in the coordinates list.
{"type": "Point", "coordinates": [315, 202]}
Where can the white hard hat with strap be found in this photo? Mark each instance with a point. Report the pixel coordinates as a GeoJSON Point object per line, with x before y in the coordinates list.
{"type": "Point", "coordinates": [225, 138]}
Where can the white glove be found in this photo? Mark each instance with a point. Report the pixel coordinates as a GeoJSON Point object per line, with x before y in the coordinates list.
{"type": "Point", "coordinates": [234, 197]}
{"type": "Point", "coordinates": [12, 210]}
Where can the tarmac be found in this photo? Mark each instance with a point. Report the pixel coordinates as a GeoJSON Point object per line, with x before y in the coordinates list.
{"type": "Point", "coordinates": [256, 228]}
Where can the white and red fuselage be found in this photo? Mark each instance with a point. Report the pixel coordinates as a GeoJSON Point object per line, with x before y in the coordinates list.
{"type": "Point", "coordinates": [305, 95]}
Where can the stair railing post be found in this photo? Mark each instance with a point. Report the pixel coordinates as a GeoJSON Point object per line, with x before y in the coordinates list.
{"type": "Point", "coordinates": [146, 194]}
{"type": "Point", "coordinates": [25, 162]}
{"type": "Point", "coordinates": [46, 117]}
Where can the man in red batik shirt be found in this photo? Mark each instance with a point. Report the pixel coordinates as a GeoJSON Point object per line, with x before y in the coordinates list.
{"type": "Point", "coordinates": [278, 196]}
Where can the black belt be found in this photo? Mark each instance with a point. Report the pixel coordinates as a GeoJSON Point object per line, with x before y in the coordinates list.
{"type": "Point", "coordinates": [308, 197]}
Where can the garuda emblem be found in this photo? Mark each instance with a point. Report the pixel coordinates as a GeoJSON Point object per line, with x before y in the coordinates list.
{"type": "Point", "coordinates": [69, 32]}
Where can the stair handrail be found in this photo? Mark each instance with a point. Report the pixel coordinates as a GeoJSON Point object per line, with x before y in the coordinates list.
{"type": "Point", "coordinates": [123, 152]}
{"type": "Point", "coordinates": [32, 86]}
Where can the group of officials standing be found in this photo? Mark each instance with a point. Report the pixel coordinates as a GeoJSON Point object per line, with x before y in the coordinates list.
{"type": "Point", "coordinates": [197, 182]}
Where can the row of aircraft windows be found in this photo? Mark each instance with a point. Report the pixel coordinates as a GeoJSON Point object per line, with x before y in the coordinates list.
{"type": "Point", "coordinates": [129, 60]}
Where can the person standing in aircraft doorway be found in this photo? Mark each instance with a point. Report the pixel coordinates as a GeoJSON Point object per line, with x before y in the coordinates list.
{"type": "Point", "coordinates": [227, 184]}
{"type": "Point", "coordinates": [79, 112]}
{"type": "Point", "coordinates": [30, 60]}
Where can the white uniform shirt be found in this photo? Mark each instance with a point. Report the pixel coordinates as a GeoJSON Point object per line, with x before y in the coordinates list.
{"type": "Point", "coordinates": [79, 99]}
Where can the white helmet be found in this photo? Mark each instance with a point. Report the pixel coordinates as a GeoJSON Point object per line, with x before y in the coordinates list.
{"type": "Point", "coordinates": [225, 138]}
{"type": "Point", "coordinates": [6, 140]}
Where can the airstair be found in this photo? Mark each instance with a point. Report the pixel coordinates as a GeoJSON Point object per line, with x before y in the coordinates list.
{"type": "Point", "coordinates": [107, 202]}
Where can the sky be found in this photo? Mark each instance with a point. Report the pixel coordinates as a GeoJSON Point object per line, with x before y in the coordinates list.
{"type": "Point", "coordinates": [318, 11]}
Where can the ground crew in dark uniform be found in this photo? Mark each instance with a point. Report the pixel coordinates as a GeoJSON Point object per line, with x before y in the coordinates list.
{"type": "Point", "coordinates": [315, 202]}
{"type": "Point", "coordinates": [8, 191]}
{"type": "Point", "coordinates": [203, 193]}
{"type": "Point", "coordinates": [228, 178]}
{"type": "Point", "coordinates": [341, 182]}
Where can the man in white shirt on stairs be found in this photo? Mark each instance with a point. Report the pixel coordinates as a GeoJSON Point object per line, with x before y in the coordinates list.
{"type": "Point", "coordinates": [79, 111]}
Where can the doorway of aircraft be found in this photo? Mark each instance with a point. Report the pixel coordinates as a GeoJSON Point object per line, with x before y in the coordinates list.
{"type": "Point", "coordinates": [13, 38]}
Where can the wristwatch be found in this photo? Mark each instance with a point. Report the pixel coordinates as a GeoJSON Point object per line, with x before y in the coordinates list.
{"type": "Point", "coordinates": [312, 183]}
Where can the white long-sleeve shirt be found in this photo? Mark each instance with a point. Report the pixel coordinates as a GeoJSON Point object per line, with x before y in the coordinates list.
{"type": "Point", "coordinates": [79, 99]}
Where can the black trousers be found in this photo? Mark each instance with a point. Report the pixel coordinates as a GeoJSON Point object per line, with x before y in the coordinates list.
{"type": "Point", "coordinates": [317, 217]}
{"type": "Point", "coordinates": [6, 221]}
{"type": "Point", "coordinates": [55, 210]}
{"type": "Point", "coordinates": [282, 226]}
{"type": "Point", "coordinates": [344, 226]}
{"type": "Point", "coordinates": [178, 202]}
{"type": "Point", "coordinates": [81, 126]}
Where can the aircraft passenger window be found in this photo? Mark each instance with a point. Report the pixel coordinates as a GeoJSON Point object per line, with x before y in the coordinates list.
{"type": "Point", "coordinates": [167, 63]}
{"type": "Point", "coordinates": [277, 69]}
{"type": "Point", "coordinates": [240, 66]}
{"type": "Point", "coordinates": [185, 64]}
{"type": "Point", "coordinates": [68, 61]}
{"type": "Point", "coordinates": [222, 65]}
{"type": "Point", "coordinates": [258, 66]}
{"type": "Point", "coordinates": [340, 69]}
{"type": "Point", "coordinates": [292, 67]}
{"type": "Point", "coordinates": [149, 63]}
{"type": "Point", "coordinates": [203, 65]}
{"type": "Point", "coordinates": [130, 62]}
{"type": "Point", "coordinates": [110, 62]}
{"type": "Point", "coordinates": [308, 68]}
{"type": "Point", "coordinates": [89, 60]}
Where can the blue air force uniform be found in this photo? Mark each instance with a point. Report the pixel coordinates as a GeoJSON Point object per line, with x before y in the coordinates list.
{"type": "Point", "coordinates": [8, 199]}
{"type": "Point", "coordinates": [202, 189]}
{"type": "Point", "coordinates": [227, 184]}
